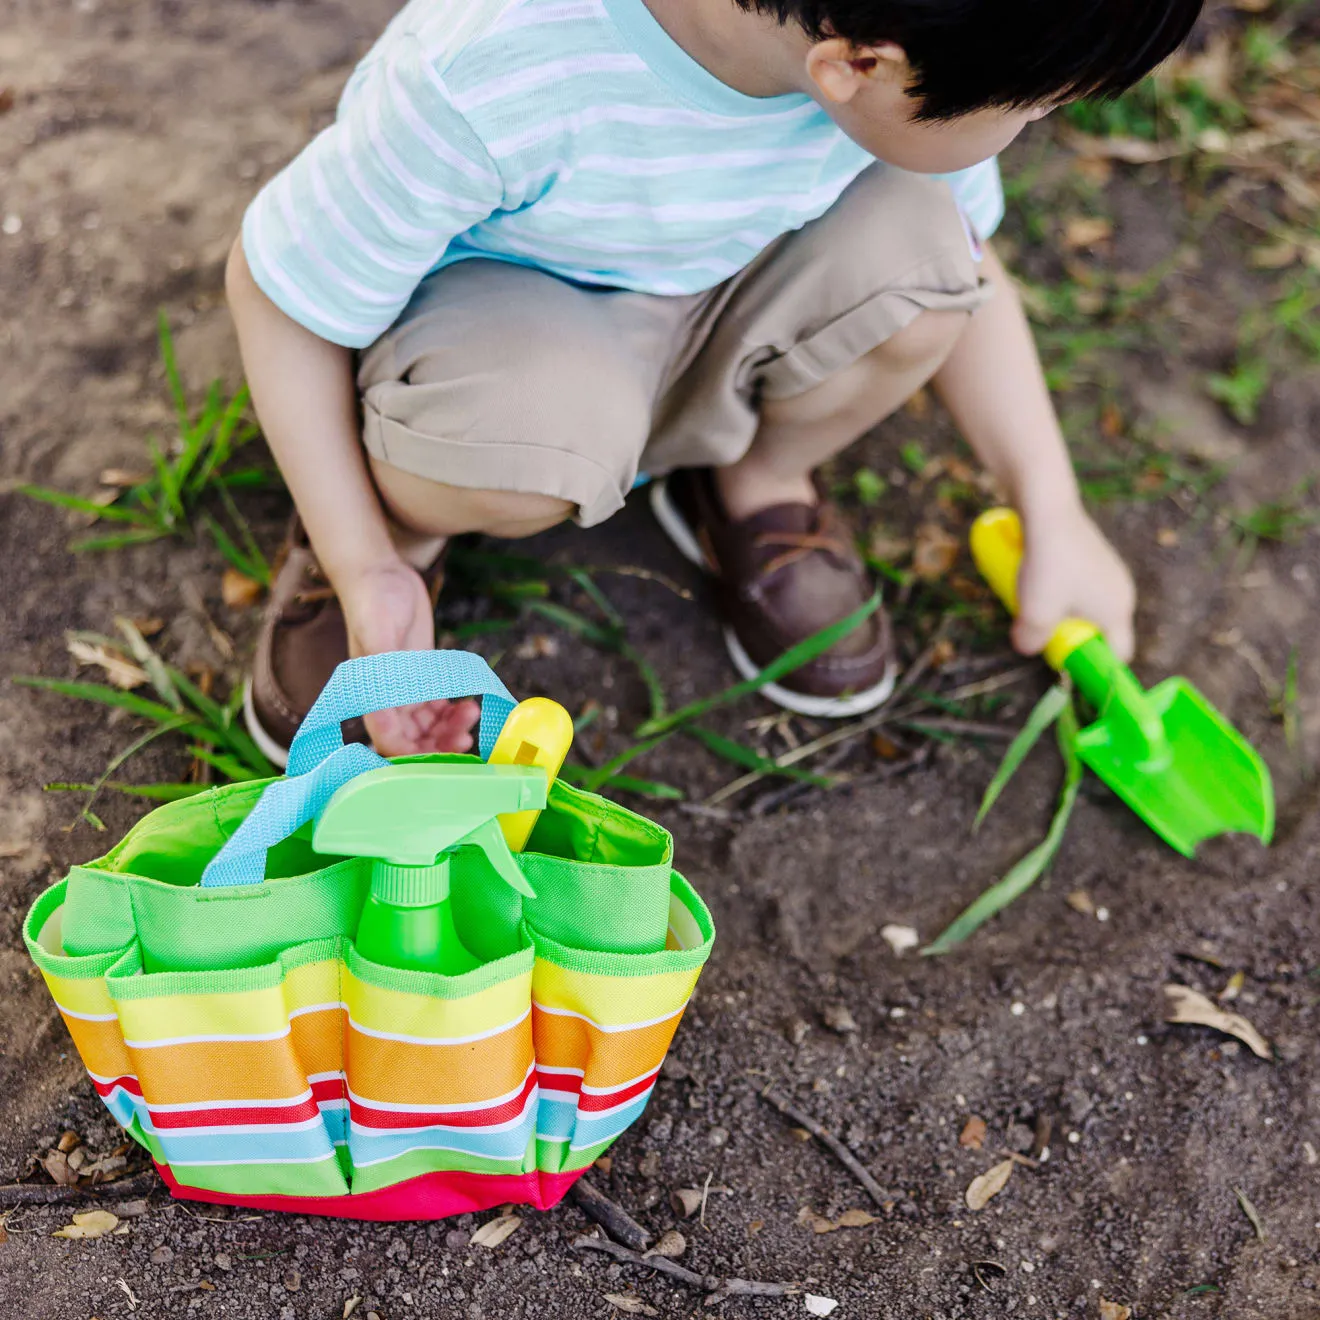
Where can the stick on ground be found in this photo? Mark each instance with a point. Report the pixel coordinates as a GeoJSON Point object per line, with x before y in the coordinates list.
{"type": "Point", "coordinates": [51, 1194]}
{"type": "Point", "coordinates": [713, 1284]}
{"type": "Point", "coordinates": [833, 1145]}
{"type": "Point", "coordinates": [614, 1219]}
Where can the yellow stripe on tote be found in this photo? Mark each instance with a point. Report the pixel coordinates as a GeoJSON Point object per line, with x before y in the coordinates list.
{"type": "Point", "coordinates": [606, 1058]}
{"type": "Point", "coordinates": [218, 1070]}
{"type": "Point", "coordinates": [434, 1019]}
{"type": "Point", "coordinates": [312, 984]}
{"type": "Point", "coordinates": [82, 997]}
{"type": "Point", "coordinates": [242, 1014]}
{"type": "Point", "coordinates": [612, 1001]}
{"type": "Point", "coordinates": [100, 1046]}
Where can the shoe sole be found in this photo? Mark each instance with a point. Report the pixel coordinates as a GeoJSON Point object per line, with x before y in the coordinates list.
{"type": "Point", "coordinates": [269, 748]}
{"type": "Point", "coordinates": [674, 526]}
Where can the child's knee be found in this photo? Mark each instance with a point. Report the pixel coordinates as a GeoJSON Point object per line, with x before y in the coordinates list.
{"type": "Point", "coordinates": [439, 509]}
{"type": "Point", "coordinates": [923, 342]}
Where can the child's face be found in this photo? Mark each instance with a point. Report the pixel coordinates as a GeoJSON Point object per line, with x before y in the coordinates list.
{"type": "Point", "coordinates": [865, 93]}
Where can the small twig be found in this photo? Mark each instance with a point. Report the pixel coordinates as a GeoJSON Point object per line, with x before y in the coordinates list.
{"type": "Point", "coordinates": [717, 1287]}
{"type": "Point", "coordinates": [778, 797]}
{"type": "Point", "coordinates": [705, 1196]}
{"type": "Point", "coordinates": [614, 1219]}
{"type": "Point", "coordinates": [832, 1144]}
{"type": "Point", "coordinates": [1018, 1158]}
{"type": "Point", "coordinates": [646, 575]}
{"type": "Point", "coordinates": [967, 728]}
{"type": "Point", "coordinates": [15, 1194]}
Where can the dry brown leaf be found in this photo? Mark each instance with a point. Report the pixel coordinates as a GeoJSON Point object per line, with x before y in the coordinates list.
{"type": "Point", "coordinates": [14, 849]}
{"type": "Point", "coordinates": [934, 552]}
{"type": "Point", "coordinates": [67, 1141]}
{"type": "Point", "coordinates": [123, 477]}
{"type": "Point", "coordinates": [122, 673]}
{"type": "Point", "coordinates": [56, 1163]}
{"type": "Point", "coordinates": [1132, 151]}
{"type": "Point", "coordinates": [1086, 231]}
{"type": "Point", "coordinates": [89, 1224]}
{"type": "Point", "coordinates": [149, 625]}
{"type": "Point", "coordinates": [973, 1133]}
{"type": "Point", "coordinates": [4, 1235]}
{"type": "Point", "coordinates": [1189, 1007]}
{"type": "Point", "coordinates": [818, 1223]}
{"type": "Point", "coordinates": [605, 1164]}
{"type": "Point", "coordinates": [495, 1231]}
{"type": "Point", "coordinates": [885, 545]}
{"type": "Point", "coordinates": [239, 591]}
{"type": "Point", "coordinates": [672, 1245]}
{"type": "Point", "coordinates": [1094, 169]}
{"type": "Point", "coordinates": [1080, 901]}
{"type": "Point", "coordinates": [630, 1304]}
{"type": "Point", "coordinates": [1274, 256]}
{"type": "Point", "coordinates": [1167, 537]}
{"type": "Point", "coordinates": [351, 1305]}
{"type": "Point", "coordinates": [981, 1190]}
{"type": "Point", "coordinates": [1114, 1310]}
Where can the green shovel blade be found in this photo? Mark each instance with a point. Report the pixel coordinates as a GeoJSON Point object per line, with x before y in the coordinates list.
{"type": "Point", "coordinates": [1213, 781]}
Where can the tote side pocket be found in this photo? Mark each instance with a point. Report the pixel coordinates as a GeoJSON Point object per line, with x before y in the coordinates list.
{"type": "Point", "coordinates": [226, 1094]}
{"type": "Point", "coordinates": [602, 1024]}
{"type": "Point", "coordinates": [440, 1070]}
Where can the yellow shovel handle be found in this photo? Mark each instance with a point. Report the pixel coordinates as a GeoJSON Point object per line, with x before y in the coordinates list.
{"type": "Point", "coordinates": [538, 732]}
{"type": "Point", "coordinates": [997, 545]}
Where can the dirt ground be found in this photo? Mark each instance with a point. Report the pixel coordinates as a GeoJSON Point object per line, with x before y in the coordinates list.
{"type": "Point", "coordinates": [137, 132]}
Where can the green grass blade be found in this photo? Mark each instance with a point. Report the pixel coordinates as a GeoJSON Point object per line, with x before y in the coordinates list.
{"type": "Point", "coordinates": [794, 658]}
{"type": "Point", "coordinates": [156, 792]}
{"type": "Point", "coordinates": [1047, 710]}
{"type": "Point", "coordinates": [608, 638]}
{"type": "Point", "coordinates": [156, 669]}
{"type": "Point", "coordinates": [167, 356]}
{"type": "Point", "coordinates": [261, 569]}
{"type": "Point", "coordinates": [62, 499]}
{"type": "Point", "coordinates": [222, 445]}
{"type": "Point", "coordinates": [117, 540]}
{"type": "Point", "coordinates": [598, 598]}
{"type": "Point", "coordinates": [655, 689]}
{"type": "Point", "coordinates": [257, 570]}
{"type": "Point", "coordinates": [220, 724]}
{"type": "Point", "coordinates": [749, 759]}
{"type": "Point", "coordinates": [103, 696]}
{"type": "Point", "coordinates": [481, 628]}
{"type": "Point", "coordinates": [652, 788]}
{"type": "Point", "coordinates": [1029, 869]}
{"type": "Point", "coordinates": [171, 497]}
{"type": "Point", "coordinates": [229, 766]}
{"type": "Point", "coordinates": [603, 774]}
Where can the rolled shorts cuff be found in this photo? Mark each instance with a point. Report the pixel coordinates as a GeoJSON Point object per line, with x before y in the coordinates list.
{"type": "Point", "coordinates": [935, 286]}
{"type": "Point", "coordinates": [522, 469]}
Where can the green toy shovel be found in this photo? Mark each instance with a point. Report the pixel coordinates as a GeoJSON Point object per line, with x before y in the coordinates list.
{"type": "Point", "coordinates": [1166, 752]}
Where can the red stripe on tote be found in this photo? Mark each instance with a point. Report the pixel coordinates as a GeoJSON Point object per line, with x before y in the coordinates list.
{"type": "Point", "coordinates": [428, 1196]}
{"type": "Point", "coordinates": [590, 1104]}
{"type": "Point", "coordinates": [330, 1088]}
{"type": "Point", "coordinates": [220, 1116]}
{"type": "Point", "coordinates": [127, 1083]}
{"type": "Point", "coordinates": [366, 1115]}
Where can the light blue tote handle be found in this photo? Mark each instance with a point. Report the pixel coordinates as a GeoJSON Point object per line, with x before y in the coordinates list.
{"type": "Point", "coordinates": [397, 678]}
{"type": "Point", "coordinates": [286, 805]}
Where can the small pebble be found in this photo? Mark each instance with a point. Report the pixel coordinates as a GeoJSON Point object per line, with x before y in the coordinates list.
{"type": "Point", "coordinates": [12, 224]}
{"type": "Point", "coordinates": [162, 1255]}
{"type": "Point", "coordinates": [223, 1261]}
{"type": "Point", "coordinates": [1018, 1009]}
{"type": "Point", "coordinates": [718, 1137]}
{"type": "Point", "coordinates": [839, 1019]}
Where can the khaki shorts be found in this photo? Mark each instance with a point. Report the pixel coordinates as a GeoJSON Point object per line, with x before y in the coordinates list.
{"type": "Point", "coordinates": [501, 377]}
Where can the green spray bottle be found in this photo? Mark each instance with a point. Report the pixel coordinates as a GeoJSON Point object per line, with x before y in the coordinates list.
{"type": "Point", "coordinates": [410, 820]}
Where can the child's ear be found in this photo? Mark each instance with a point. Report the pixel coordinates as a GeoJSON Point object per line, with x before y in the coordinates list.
{"type": "Point", "coordinates": [841, 70]}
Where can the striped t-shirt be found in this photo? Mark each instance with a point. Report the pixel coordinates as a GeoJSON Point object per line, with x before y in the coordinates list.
{"type": "Point", "coordinates": [575, 136]}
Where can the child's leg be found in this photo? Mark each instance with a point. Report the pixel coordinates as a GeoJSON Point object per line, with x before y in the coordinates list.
{"type": "Point", "coordinates": [797, 435]}
{"type": "Point", "coordinates": [823, 336]}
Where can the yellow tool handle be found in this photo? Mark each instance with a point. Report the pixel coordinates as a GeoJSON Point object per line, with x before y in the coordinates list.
{"type": "Point", "coordinates": [538, 732]}
{"type": "Point", "coordinates": [997, 545]}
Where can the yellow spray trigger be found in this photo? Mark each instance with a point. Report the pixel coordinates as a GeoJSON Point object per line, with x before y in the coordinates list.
{"type": "Point", "coordinates": [538, 732]}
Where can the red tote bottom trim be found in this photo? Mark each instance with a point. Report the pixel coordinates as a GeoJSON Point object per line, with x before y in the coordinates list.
{"type": "Point", "coordinates": [428, 1196]}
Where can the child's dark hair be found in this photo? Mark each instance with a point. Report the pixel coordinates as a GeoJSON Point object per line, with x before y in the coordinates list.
{"type": "Point", "coordinates": [972, 54]}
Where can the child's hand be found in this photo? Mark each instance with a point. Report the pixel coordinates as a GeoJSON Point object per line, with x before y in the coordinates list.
{"type": "Point", "coordinates": [1070, 570]}
{"type": "Point", "coordinates": [389, 609]}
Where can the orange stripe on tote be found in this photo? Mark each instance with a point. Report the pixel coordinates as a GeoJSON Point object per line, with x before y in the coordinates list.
{"type": "Point", "coordinates": [318, 1040]}
{"type": "Point", "coordinates": [100, 1046]}
{"type": "Point", "coordinates": [219, 1070]}
{"type": "Point", "coordinates": [409, 1074]}
{"type": "Point", "coordinates": [609, 1058]}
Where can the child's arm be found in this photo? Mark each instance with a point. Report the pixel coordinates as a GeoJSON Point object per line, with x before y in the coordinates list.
{"type": "Point", "coordinates": [305, 394]}
{"type": "Point", "coordinates": [993, 385]}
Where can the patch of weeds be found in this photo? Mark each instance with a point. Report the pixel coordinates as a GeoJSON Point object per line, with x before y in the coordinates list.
{"type": "Point", "coordinates": [914, 457]}
{"type": "Point", "coordinates": [185, 475]}
{"type": "Point", "coordinates": [1166, 105]}
{"type": "Point", "coordinates": [1281, 521]}
{"type": "Point", "coordinates": [1056, 707]}
{"type": "Point", "coordinates": [1241, 388]}
{"type": "Point", "coordinates": [213, 728]}
{"type": "Point", "coordinates": [869, 487]}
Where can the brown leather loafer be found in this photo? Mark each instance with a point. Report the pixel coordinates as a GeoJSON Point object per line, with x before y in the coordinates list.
{"type": "Point", "coordinates": [784, 574]}
{"type": "Point", "coordinates": [303, 638]}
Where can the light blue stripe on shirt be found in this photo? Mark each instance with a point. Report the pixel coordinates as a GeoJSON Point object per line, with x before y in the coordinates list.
{"type": "Point", "coordinates": [571, 135]}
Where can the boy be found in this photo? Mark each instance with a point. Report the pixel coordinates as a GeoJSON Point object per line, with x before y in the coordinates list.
{"type": "Point", "coordinates": [711, 240]}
